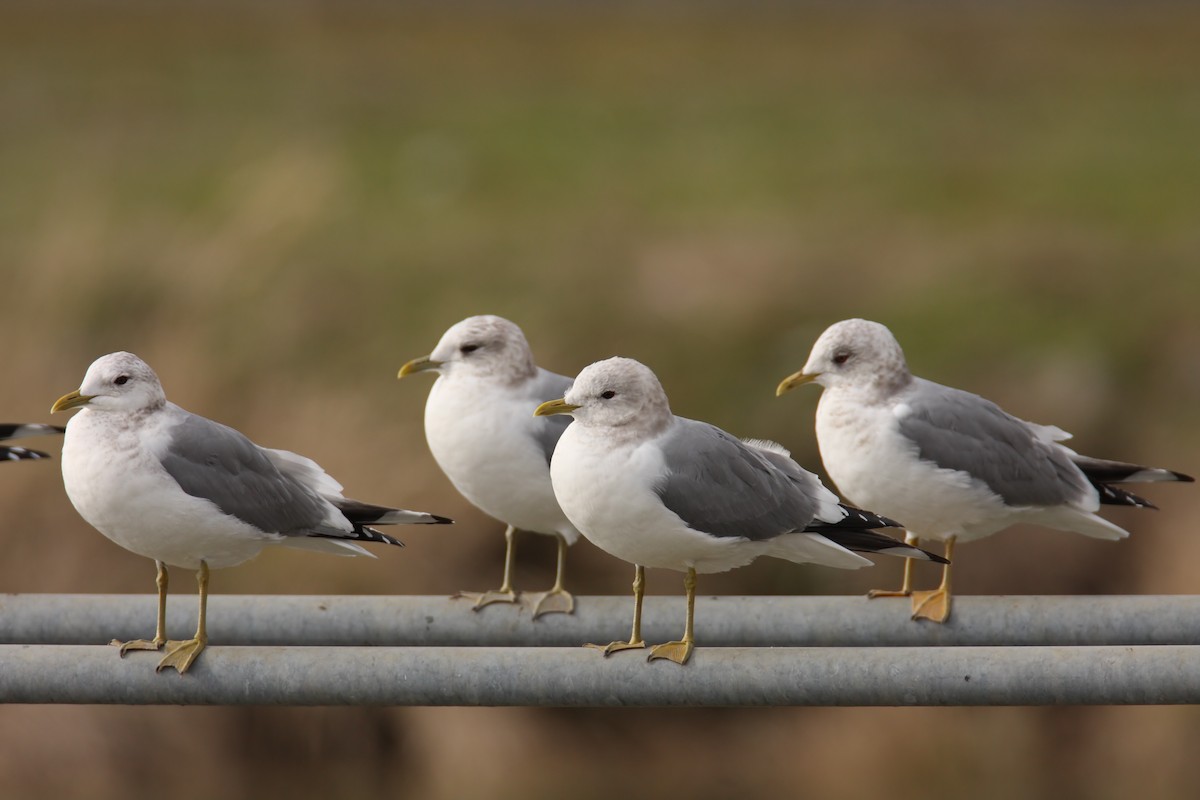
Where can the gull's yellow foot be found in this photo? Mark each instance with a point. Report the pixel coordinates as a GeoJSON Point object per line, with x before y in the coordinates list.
{"type": "Point", "coordinates": [679, 652]}
{"type": "Point", "coordinates": [555, 601]}
{"type": "Point", "coordinates": [932, 605]}
{"type": "Point", "coordinates": [180, 655]}
{"type": "Point", "coordinates": [888, 593]}
{"type": "Point", "coordinates": [490, 596]}
{"type": "Point", "coordinates": [613, 647]}
{"type": "Point", "coordinates": [137, 644]}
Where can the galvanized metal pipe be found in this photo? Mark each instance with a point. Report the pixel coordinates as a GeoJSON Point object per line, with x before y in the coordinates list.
{"type": "Point", "coordinates": [395, 621]}
{"type": "Point", "coordinates": [534, 676]}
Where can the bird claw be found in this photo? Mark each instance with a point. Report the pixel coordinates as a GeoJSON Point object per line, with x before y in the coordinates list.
{"type": "Point", "coordinates": [487, 598]}
{"type": "Point", "coordinates": [679, 652]}
{"type": "Point", "coordinates": [137, 644]}
{"type": "Point", "coordinates": [933, 605]}
{"type": "Point", "coordinates": [555, 601]}
{"type": "Point", "coordinates": [181, 655]}
{"type": "Point", "coordinates": [613, 647]}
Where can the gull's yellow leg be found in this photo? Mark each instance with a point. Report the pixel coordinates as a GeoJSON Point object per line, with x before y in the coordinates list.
{"type": "Point", "coordinates": [906, 587]}
{"type": "Point", "coordinates": [505, 593]}
{"type": "Point", "coordinates": [935, 605]}
{"type": "Point", "coordinates": [635, 638]}
{"type": "Point", "coordinates": [180, 655]}
{"type": "Point", "coordinates": [557, 599]}
{"type": "Point", "coordinates": [160, 630]}
{"type": "Point", "coordinates": [681, 651]}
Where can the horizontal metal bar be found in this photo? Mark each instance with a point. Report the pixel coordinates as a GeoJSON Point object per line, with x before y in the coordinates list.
{"type": "Point", "coordinates": [394, 621]}
{"type": "Point", "coordinates": [533, 676]}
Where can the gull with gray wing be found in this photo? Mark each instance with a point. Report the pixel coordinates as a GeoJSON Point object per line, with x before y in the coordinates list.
{"type": "Point", "coordinates": [481, 431]}
{"type": "Point", "coordinates": [189, 492]}
{"type": "Point", "coordinates": [951, 465]}
{"type": "Point", "coordinates": [659, 490]}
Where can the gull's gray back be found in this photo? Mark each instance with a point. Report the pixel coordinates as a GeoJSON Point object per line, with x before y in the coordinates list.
{"type": "Point", "coordinates": [549, 386]}
{"type": "Point", "coordinates": [720, 485]}
{"type": "Point", "coordinates": [214, 462]}
{"type": "Point", "coordinates": [963, 431]}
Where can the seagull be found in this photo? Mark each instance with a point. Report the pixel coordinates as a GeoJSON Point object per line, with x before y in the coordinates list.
{"type": "Point", "coordinates": [950, 464]}
{"type": "Point", "coordinates": [189, 492]}
{"type": "Point", "coordinates": [21, 430]}
{"type": "Point", "coordinates": [659, 490]}
{"type": "Point", "coordinates": [481, 431]}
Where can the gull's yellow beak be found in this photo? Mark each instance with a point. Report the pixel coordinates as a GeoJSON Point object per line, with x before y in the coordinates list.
{"type": "Point", "coordinates": [551, 407]}
{"type": "Point", "coordinates": [72, 400]}
{"type": "Point", "coordinates": [418, 365]}
{"type": "Point", "coordinates": [792, 381]}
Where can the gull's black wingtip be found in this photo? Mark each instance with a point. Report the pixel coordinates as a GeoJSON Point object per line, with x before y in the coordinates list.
{"type": "Point", "coordinates": [441, 520]}
{"type": "Point", "coordinates": [21, 454]}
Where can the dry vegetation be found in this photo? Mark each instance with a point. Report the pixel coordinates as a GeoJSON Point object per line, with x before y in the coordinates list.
{"type": "Point", "coordinates": [277, 209]}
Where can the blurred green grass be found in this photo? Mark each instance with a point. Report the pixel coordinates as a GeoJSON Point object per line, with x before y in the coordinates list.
{"type": "Point", "coordinates": [278, 206]}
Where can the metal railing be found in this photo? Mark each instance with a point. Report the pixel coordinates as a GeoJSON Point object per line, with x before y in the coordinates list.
{"type": "Point", "coordinates": [312, 650]}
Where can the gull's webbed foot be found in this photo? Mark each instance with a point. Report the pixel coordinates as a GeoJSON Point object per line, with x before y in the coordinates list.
{"type": "Point", "coordinates": [181, 655]}
{"type": "Point", "coordinates": [613, 647]}
{"type": "Point", "coordinates": [137, 644]}
{"type": "Point", "coordinates": [679, 652]}
{"type": "Point", "coordinates": [490, 596]}
{"type": "Point", "coordinates": [888, 593]}
{"type": "Point", "coordinates": [555, 601]}
{"type": "Point", "coordinates": [932, 605]}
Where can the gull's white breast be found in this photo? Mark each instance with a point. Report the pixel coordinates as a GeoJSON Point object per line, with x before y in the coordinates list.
{"type": "Point", "coordinates": [874, 466]}
{"type": "Point", "coordinates": [608, 492]}
{"type": "Point", "coordinates": [482, 437]}
{"type": "Point", "coordinates": [113, 477]}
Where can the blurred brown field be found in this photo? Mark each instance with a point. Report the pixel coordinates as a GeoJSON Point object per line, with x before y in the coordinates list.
{"type": "Point", "coordinates": [277, 206]}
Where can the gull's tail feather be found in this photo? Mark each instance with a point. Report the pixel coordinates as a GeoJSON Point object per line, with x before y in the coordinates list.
{"type": "Point", "coordinates": [360, 513]}
{"type": "Point", "coordinates": [868, 541]}
{"type": "Point", "coordinates": [21, 454]}
{"type": "Point", "coordinates": [852, 519]}
{"type": "Point", "coordinates": [1102, 473]}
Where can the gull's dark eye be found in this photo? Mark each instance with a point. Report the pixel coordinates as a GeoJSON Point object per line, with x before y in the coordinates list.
{"type": "Point", "coordinates": [121, 380]}
{"type": "Point", "coordinates": [608, 395]}
{"type": "Point", "coordinates": [467, 349]}
{"type": "Point", "coordinates": [841, 358]}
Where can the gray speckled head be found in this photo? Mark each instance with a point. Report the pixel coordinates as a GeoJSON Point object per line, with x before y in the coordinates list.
{"type": "Point", "coordinates": [620, 393]}
{"type": "Point", "coordinates": [122, 382]}
{"type": "Point", "coordinates": [486, 345]}
{"type": "Point", "coordinates": [858, 353]}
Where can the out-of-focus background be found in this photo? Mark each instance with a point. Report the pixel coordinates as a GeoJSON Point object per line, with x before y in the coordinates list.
{"type": "Point", "coordinates": [278, 206]}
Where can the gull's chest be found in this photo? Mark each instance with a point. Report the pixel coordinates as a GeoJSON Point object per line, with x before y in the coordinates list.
{"type": "Point", "coordinates": [487, 446]}
{"type": "Point", "coordinates": [854, 441]}
{"type": "Point", "coordinates": [106, 472]}
{"type": "Point", "coordinates": [606, 491]}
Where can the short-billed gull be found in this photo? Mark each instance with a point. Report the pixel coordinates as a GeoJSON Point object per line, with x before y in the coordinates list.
{"type": "Point", "coordinates": [950, 465]}
{"type": "Point", "coordinates": [659, 490]}
{"type": "Point", "coordinates": [481, 430]}
{"type": "Point", "coordinates": [189, 492]}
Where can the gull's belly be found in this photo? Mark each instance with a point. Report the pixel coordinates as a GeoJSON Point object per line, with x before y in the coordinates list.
{"type": "Point", "coordinates": [124, 493]}
{"type": "Point", "coordinates": [876, 468]}
{"type": "Point", "coordinates": [487, 451]}
{"type": "Point", "coordinates": [609, 497]}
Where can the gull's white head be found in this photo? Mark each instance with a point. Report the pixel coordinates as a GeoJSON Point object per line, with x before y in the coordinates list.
{"type": "Point", "coordinates": [617, 393]}
{"type": "Point", "coordinates": [119, 382]}
{"type": "Point", "coordinates": [487, 346]}
{"type": "Point", "coordinates": [854, 353]}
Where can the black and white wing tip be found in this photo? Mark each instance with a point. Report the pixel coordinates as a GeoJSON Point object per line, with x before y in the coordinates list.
{"type": "Point", "coordinates": [869, 541]}
{"type": "Point", "coordinates": [1103, 473]}
{"type": "Point", "coordinates": [21, 454]}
